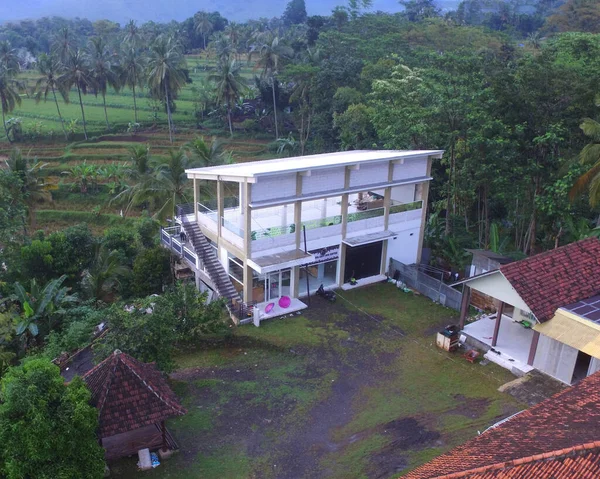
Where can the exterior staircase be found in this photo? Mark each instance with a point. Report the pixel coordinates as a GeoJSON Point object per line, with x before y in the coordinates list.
{"type": "Point", "coordinates": [213, 266]}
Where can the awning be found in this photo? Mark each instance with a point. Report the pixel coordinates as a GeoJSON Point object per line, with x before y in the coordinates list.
{"type": "Point", "coordinates": [572, 330]}
{"type": "Point", "coordinates": [279, 261]}
{"type": "Point", "coordinates": [370, 238]}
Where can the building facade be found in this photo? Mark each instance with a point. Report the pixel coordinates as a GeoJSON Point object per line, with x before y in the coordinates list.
{"type": "Point", "coordinates": [281, 228]}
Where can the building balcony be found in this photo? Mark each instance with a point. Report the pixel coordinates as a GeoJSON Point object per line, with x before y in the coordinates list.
{"type": "Point", "coordinates": [274, 228]}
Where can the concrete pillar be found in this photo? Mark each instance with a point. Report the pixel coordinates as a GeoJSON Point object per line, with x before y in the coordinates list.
{"type": "Point", "coordinates": [497, 325]}
{"type": "Point", "coordinates": [247, 283]}
{"type": "Point", "coordinates": [533, 348]}
{"type": "Point", "coordinates": [295, 281]}
{"type": "Point", "coordinates": [464, 306]}
{"type": "Point", "coordinates": [220, 207]}
{"type": "Point", "coordinates": [195, 182]}
{"type": "Point", "coordinates": [342, 264]}
{"type": "Point", "coordinates": [424, 212]}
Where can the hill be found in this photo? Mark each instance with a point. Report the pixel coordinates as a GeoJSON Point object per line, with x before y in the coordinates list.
{"type": "Point", "coordinates": [160, 11]}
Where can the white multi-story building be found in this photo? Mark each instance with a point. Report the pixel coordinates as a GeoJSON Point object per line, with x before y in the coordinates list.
{"type": "Point", "coordinates": [281, 228]}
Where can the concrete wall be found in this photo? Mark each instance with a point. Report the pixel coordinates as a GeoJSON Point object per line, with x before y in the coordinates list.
{"type": "Point", "coordinates": [498, 287]}
{"type": "Point", "coordinates": [404, 247]}
{"type": "Point", "coordinates": [412, 168]}
{"type": "Point", "coordinates": [594, 366]}
{"type": "Point", "coordinates": [404, 194]}
{"type": "Point", "coordinates": [369, 174]}
{"type": "Point", "coordinates": [555, 359]}
{"type": "Point", "coordinates": [323, 180]}
{"type": "Point", "coordinates": [273, 187]}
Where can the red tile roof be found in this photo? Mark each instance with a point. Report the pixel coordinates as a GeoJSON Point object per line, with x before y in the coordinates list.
{"type": "Point", "coordinates": [556, 278]}
{"type": "Point", "coordinates": [129, 394]}
{"type": "Point", "coordinates": [565, 425]}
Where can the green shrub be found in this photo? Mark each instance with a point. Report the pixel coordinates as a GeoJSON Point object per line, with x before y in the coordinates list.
{"type": "Point", "coordinates": [151, 271]}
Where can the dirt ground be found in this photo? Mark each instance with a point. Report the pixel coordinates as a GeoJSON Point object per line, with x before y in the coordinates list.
{"type": "Point", "coordinates": [333, 401]}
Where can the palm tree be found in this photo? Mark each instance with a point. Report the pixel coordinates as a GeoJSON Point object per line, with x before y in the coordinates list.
{"type": "Point", "coordinates": [77, 74]}
{"type": "Point", "coordinates": [102, 280]}
{"type": "Point", "coordinates": [270, 52]}
{"type": "Point", "coordinates": [8, 57]}
{"type": "Point", "coordinates": [208, 154]}
{"type": "Point", "coordinates": [102, 70]}
{"type": "Point", "coordinates": [132, 34]}
{"type": "Point", "coordinates": [9, 96]}
{"type": "Point", "coordinates": [229, 86]}
{"type": "Point", "coordinates": [86, 176]}
{"type": "Point", "coordinates": [590, 155]}
{"type": "Point", "coordinates": [203, 25]}
{"type": "Point", "coordinates": [48, 83]}
{"type": "Point", "coordinates": [33, 188]}
{"type": "Point", "coordinates": [132, 73]}
{"type": "Point", "coordinates": [234, 32]}
{"type": "Point", "coordinates": [62, 46]}
{"type": "Point", "coordinates": [166, 73]}
{"type": "Point", "coordinates": [222, 47]}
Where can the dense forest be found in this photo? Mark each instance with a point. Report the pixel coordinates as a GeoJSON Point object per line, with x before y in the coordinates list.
{"type": "Point", "coordinates": [509, 89]}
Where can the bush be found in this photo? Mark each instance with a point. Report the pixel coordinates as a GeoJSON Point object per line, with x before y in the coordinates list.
{"type": "Point", "coordinates": [151, 271]}
{"type": "Point", "coordinates": [78, 329]}
{"type": "Point", "coordinates": [123, 240]}
{"type": "Point", "coordinates": [47, 428]}
{"type": "Point", "coordinates": [153, 328]}
{"type": "Point", "coordinates": [147, 231]}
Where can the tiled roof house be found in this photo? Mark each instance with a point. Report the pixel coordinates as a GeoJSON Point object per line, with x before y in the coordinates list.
{"type": "Point", "coordinates": [557, 439]}
{"type": "Point", "coordinates": [133, 399]}
{"type": "Point", "coordinates": [547, 312]}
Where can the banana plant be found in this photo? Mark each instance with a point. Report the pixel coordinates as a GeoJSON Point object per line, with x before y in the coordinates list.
{"type": "Point", "coordinates": [40, 304]}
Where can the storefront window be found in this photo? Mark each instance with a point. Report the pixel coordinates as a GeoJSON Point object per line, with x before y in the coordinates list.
{"type": "Point", "coordinates": [322, 273]}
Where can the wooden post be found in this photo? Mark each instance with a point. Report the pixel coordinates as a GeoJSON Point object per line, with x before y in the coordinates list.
{"type": "Point", "coordinates": [464, 306]}
{"type": "Point", "coordinates": [497, 325]}
{"type": "Point", "coordinates": [164, 436]}
{"type": "Point", "coordinates": [533, 348]}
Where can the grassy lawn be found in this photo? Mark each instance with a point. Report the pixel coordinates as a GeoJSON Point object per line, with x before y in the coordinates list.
{"type": "Point", "coordinates": [354, 389]}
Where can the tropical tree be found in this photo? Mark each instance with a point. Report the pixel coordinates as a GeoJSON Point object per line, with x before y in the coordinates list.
{"type": "Point", "coordinates": [203, 25]}
{"type": "Point", "coordinates": [271, 51]}
{"type": "Point", "coordinates": [86, 176]}
{"type": "Point", "coordinates": [63, 44]}
{"type": "Point", "coordinates": [36, 405]}
{"type": "Point", "coordinates": [77, 74]}
{"type": "Point", "coordinates": [589, 157]}
{"type": "Point", "coordinates": [34, 189]}
{"type": "Point", "coordinates": [207, 154]}
{"type": "Point", "coordinates": [49, 68]}
{"type": "Point", "coordinates": [132, 73]}
{"type": "Point", "coordinates": [40, 304]}
{"type": "Point", "coordinates": [166, 74]}
{"type": "Point", "coordinates": [9, 96]}
{"type": "Point", "coordinates": [102, 280]}
{"type": "Point", "coordinates": [102, 70]}
{"type": "Point", "coordinates": [9, 59]}
{"type": "Point", "coordinates": [233, 31]}
{"type": "Point", "coordinates": [229, 86]}
{"type": "Point", "coordinates": [132, 34]}
{"type": "Point", "coordinates": [222, 47]}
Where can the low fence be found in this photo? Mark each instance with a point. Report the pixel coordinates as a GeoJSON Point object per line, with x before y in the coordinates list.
{"type": "Point", "coordinates": [433, 288]}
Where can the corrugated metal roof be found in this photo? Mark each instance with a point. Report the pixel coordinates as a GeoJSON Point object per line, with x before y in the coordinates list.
{"type": "Point", "coordinates": [572, 330]}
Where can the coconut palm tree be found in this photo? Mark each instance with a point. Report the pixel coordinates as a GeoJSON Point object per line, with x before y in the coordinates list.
{"type": "Point", "coordinates": [132, 34]}
{"type": "Point", "coordinates": [271, 51]}
{"type": "Point", "coordinates": [77, 74]}
{"type": "Point", "coordinates": [222, 47]}
{"type": "Point", "coordinates": [234, 32]}
{"type": "Point", "coordinates": [9, 96]}
{"type": "Point", "coordinates": [208, 154]}
{"type": "Point", "coordinates": [203, 25]}
{"type": "Point", "coordinates": [589, 156]}
{"type": "Point", "coordinates": [132, 73]}
{"type": "Point", "coordinates": [8, 57]}
{"type": "Point", "coordinates": [229, 86]}
{"type": "Point", "coordinates": [102, 70]}
{"type": "Point", "coordinates": [49, 68]}
{"type": "Point", "coordinates": [63, 44]}
{"type": "Point", "coordinates": [102, 280]}
{"type": "Point", "coordinates": [166, 73]}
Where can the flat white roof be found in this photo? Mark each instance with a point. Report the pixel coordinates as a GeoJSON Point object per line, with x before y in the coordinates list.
{"type": "Point", "coordinates": [251, 170]}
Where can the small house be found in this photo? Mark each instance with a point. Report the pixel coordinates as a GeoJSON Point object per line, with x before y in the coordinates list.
{"type": "Point", "coordinates": [133, 401]}
{"type": "Point", "coordinates": [546, 312]}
